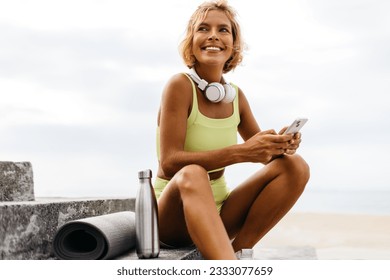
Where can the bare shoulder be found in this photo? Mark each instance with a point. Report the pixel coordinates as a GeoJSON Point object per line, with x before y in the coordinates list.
{"type": "Point", "coordinates": [178, 87]}
{"type": "Point", "coordinates": [177, 96]}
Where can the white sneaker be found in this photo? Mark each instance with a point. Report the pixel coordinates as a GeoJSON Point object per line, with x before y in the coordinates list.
{"type": "Point", "coordinates": [245, 254]}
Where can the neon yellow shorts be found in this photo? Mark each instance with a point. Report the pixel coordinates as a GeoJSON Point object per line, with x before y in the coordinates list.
{"type": "Point", "coordinates": [219, 188]}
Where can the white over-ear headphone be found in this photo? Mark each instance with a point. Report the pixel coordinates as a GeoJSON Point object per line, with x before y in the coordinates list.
{"type": "Point", "coordinates": [215, 92]}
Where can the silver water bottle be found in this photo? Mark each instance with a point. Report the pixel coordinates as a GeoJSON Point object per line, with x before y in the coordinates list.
{"type": "Point", "coordinates": [146, 219]}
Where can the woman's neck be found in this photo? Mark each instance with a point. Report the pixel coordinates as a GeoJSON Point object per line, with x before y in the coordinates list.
{"type": "Point", "coordinates": [209, 73]}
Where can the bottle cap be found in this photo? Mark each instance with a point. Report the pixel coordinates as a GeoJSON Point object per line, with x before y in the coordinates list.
{"type": "Point", "coordinates": [145, 174]}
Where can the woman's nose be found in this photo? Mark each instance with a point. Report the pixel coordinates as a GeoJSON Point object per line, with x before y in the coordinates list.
{"type": "Point", "coordinates": [213, 36]}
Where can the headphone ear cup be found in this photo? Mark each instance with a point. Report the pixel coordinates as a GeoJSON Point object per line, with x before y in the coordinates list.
{"type": "Point", "coordinates": [230, 93]}
{"type": "Point", "coordinates": [215, 92]}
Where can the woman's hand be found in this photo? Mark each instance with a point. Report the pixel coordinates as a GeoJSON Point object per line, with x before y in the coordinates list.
{"type": "Point", "coordinates": [266, 145]}
{"type": "Point", "coordinates": [293, 143]}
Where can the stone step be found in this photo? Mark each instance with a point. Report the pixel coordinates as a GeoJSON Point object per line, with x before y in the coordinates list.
{"type": "Point", "coordinates": [187, 253]}
{"type": "Point", "coordinates": [16, 181]}
{"type": "Point", "coordinates": [27, 228]}
{"type": "Point", "coordinates": [260, 253]}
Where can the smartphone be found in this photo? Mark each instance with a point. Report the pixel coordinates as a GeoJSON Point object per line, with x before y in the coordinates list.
{"type": "Point", "coordinates": [296, 126]}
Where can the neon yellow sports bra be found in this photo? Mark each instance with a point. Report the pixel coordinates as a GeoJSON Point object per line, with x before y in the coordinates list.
{"type": "Point", "coordinates": [204, 133]}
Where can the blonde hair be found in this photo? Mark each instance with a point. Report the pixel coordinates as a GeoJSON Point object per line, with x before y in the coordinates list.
{"type": "Point", "coordinates": [185, 47]}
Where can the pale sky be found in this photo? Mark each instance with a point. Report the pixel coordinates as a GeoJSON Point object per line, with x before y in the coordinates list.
{"type": "Point", "coordinates": [80, 85]}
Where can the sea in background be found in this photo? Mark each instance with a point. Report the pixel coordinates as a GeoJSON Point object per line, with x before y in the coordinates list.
{"type": "Point", "coordinates": [345, 201]}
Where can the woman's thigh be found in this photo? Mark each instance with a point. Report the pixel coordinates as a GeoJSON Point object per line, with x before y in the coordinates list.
{"type": "Point", "coordinates": [172, 226]}
{"type": "Point", "coordinates": [172, 222]}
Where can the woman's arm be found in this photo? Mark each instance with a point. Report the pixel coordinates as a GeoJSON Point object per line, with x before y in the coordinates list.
{"type": "Point", "coordinates": [248, 125]}
{"type": "Point", "coordinates": [175, 107]}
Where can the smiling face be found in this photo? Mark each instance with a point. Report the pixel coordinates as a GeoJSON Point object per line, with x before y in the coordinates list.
{"type": "Point", "coordinates": [213, 39]}
{"type": "Point", "coordinates": [208, 11]}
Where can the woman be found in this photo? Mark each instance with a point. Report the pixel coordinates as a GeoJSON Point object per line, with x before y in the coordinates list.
{"type": "Point", "coordinates": [197, 139]}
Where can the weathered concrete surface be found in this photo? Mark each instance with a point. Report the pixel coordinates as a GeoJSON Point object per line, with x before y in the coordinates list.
{"type": "Point", "coordinates": [16, 181]}
{"type": "Point", "coordinates": [27, 229]}
{"type": "Point", "coordinates": [260, 253]}
{"type": "Point", "coordinates": [188, 253]}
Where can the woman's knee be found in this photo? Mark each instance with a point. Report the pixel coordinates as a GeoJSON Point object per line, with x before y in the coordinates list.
{"type": "Point", "coordinates": [300, 166]}
{"type": "Point", "coordinates": [297, 168]}
{"type": "Point", "coordinates": [191, 178]}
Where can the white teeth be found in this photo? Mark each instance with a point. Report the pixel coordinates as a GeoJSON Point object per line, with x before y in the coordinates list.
{"type": "Point", "coordinates": [213, 49]}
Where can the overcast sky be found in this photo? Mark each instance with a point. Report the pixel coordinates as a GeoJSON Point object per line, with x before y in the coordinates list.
{"type": "Point", "coordinates": [80, 85]}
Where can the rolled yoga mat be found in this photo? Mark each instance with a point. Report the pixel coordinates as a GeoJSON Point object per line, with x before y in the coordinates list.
{"type": "Point", "coordinates": [100, 237]}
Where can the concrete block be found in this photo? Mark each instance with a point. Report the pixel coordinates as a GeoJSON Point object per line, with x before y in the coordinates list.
{"type": "Point", "coordinates": [16, 181]}
{"type": "Point", "coordinates": [27, 229]}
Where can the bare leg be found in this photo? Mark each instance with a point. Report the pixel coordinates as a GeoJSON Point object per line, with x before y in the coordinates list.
{"type": "Point", "coordinates": [187, 212]}
{"type": "Point", "coordinates": [259, 203]}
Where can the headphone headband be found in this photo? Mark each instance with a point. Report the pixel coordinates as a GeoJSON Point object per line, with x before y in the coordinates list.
{"type": "Point", "coordinates": [202, 84]}
{"type": "Point", "coordinates": [215, 92]}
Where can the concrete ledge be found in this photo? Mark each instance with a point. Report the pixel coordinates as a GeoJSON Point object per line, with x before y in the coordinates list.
{"type": "Point", "coordinates": [277, 253]}
{"type": "Point", "coordinates": [188, 253]}
{"type": "Point", "coordinates": [27, 229]}
{"type": "Point", "coordinates": [260, 253]}
{"type": "Point", "coordinates": [16, 181]}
